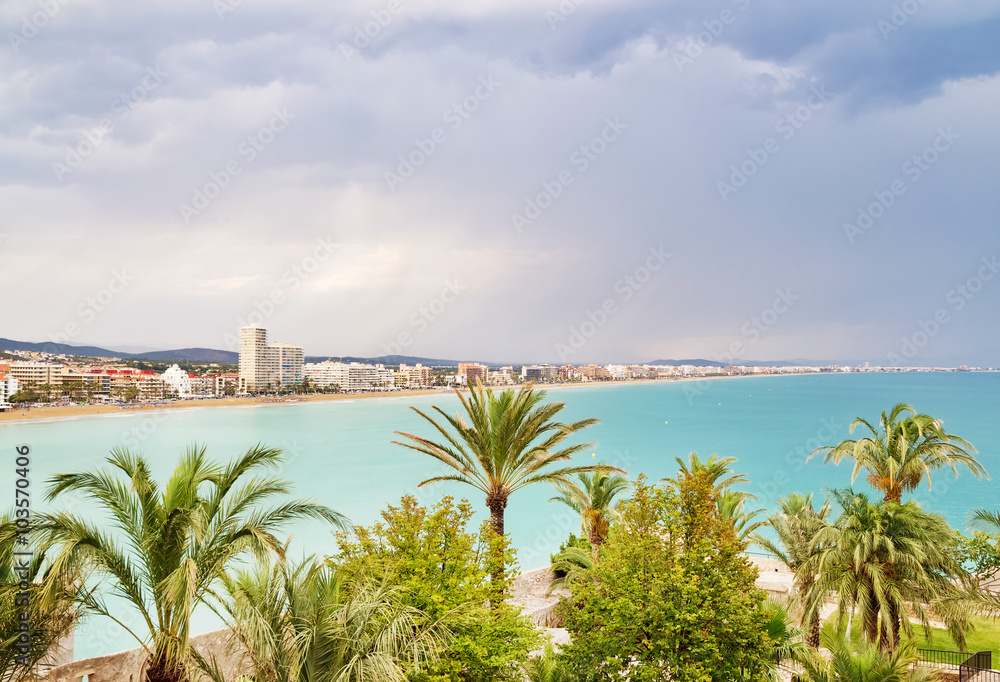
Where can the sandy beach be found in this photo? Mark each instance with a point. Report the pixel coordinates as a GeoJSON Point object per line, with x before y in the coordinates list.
{"type": "Point", "coordinates": [91, 410]}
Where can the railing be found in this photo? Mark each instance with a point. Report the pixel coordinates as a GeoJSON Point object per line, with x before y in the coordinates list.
{"type": "Point", "coordinates": [978, 667]}
{"type": "Point", "coordinates": [975, 667]}
{"type": "Point", "coordinates": [953, 658]}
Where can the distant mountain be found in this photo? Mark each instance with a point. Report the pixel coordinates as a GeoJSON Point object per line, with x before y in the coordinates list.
{"type": "Point", "coordinates": [61, 349]}
{"type": "Point", "coordinates": [746, 363]}
{"type": "Point", "coordinates": [695, 363]}
{"type": "Point", "coordinates": [387, 360]}
{"type": "Point", "coordinates": [200, 354]}
{"type": "Point", "coordinates": [191, 355]}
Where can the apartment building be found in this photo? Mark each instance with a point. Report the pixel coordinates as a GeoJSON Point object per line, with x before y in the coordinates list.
{"type": "Point", "coordinates": [473, 371]}
{"type": "Point", "coordinates": [540, 373]}
{"type": "Point", "coordinates": [414, 376]}
{"type": "Point", "coordinates": [8, 387]}
{"type": "Point", "coordinates": [354, 376]}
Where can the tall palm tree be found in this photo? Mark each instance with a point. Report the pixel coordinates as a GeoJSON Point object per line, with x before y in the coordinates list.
{"type": "Point", "coordinates": [888, 560]}
{"type": "Point", "coordinates": [509, 442]}
{"type": "Point", "coordinates": [169, 547]}
{"type": "Point", "coordinates": [904, 449]}
{"type": "Point", "coordinates": [863, 662]}
{"type": "Point", "coordinates": [796, 526]}
{"type": "Point", "coordinates": [593, 499]}
{"type": "Point", "coordinates": [306, 623]}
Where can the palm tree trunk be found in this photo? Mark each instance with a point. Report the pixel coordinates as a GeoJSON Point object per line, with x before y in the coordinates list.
{"type": "Point", "coordinates": [870, 613]}
{"type": "Point", "coordinates": [812, 630]}
{"type": "Point", "coordinates": [496, 503]}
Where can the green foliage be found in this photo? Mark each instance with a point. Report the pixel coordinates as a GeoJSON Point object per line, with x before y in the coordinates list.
{"type": "Point", "coordinates": [549, 667]}
{"type": "Point", "coordinates": [893, 562]}
{"type": "Point", "coordinates": [902, 451]}
{"type": "Point", "coordinates": [306, 623]}
{"type": "Point", "coordinates": [25, 395]}
{"type": "Point", "coordinates": [673, 597]}
{"type": "Point", "coordinates": [572, 541]}
{"type": "Point", "coordinates": [592, 496]}
{"type": "Point", "coordinates": [979, 552]}
{"type": "Point", "coordinates": [862, 661]}
{"type": "Point", "coordinates": [165, 549]}
{"type": "Point", "coordinates": [49, 620]}
{"type": "Point", "coordinates": [445, 572]}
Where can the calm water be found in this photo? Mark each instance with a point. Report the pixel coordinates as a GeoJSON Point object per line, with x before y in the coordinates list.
{"type": "Point", "coordinates": [340, 452]}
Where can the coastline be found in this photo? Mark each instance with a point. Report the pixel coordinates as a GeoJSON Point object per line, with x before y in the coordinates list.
{"type": "Point", "coordinates": [76, 411]}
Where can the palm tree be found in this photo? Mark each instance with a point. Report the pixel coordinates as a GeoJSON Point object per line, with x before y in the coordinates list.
{"type": "Point", "coordinates": [50, 621]}
{"type": "Point", "coordinates": [863, 662]}
{"type": "Point", "coordinates": [905, 448]}
{"type": "Point", "coordinates": [732, 507]}
{"type": "Point", "coordinates": [593, 499]}
{"type": "Point", "coordinates": [888, 560]}
{"type": "Point", "coordinates": [720, 475]}
{"type": "Point", "coordinates": [786, 642]}
{"type": "Point", "coordinates": [548, 668]}
{"type": "Point", "coordinates": [731, 503]}
{"type": "Point", "coordinates": [509, 443]}
{"type": "Point", "coordinates": [796, 526]}
{"type": "Point", "coordinates": [172, 546]}
{"type": "Point", "coordinates": [574, 564]}
{"type": "Point", "coordinates": [306, 623]}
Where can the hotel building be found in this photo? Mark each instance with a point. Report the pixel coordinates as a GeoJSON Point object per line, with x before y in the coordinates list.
{"type": "Point", "coordinates": [473, 371]}
{"type": "Point", "coordinates": [349, 377]}
{"type": "Point", "coordinates": [264, 365]}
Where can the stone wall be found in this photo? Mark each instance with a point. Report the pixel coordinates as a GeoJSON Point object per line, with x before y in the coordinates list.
{"type": "Point", "coordinates": [127, 666]}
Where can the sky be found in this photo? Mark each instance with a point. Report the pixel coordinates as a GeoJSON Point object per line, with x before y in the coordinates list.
{"type": "Point", "coordinates": [571, 182]}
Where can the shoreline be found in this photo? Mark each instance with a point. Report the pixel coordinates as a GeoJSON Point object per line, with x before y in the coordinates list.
{"type": "Point", "coordinates": [77, 411]}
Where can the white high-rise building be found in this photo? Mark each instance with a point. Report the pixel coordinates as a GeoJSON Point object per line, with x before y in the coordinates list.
{"type": "Point", "coordinates": [264, 365]}
{"type": "Point", "coordinates": [289, 360]}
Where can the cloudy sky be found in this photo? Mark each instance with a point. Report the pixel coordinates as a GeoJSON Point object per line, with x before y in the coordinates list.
{"type": "Point", "coordinates": [505, 181]}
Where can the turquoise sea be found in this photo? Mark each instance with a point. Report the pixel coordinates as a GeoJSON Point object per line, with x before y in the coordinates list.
{"type": "Point", "coordinates": [340, 452]}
